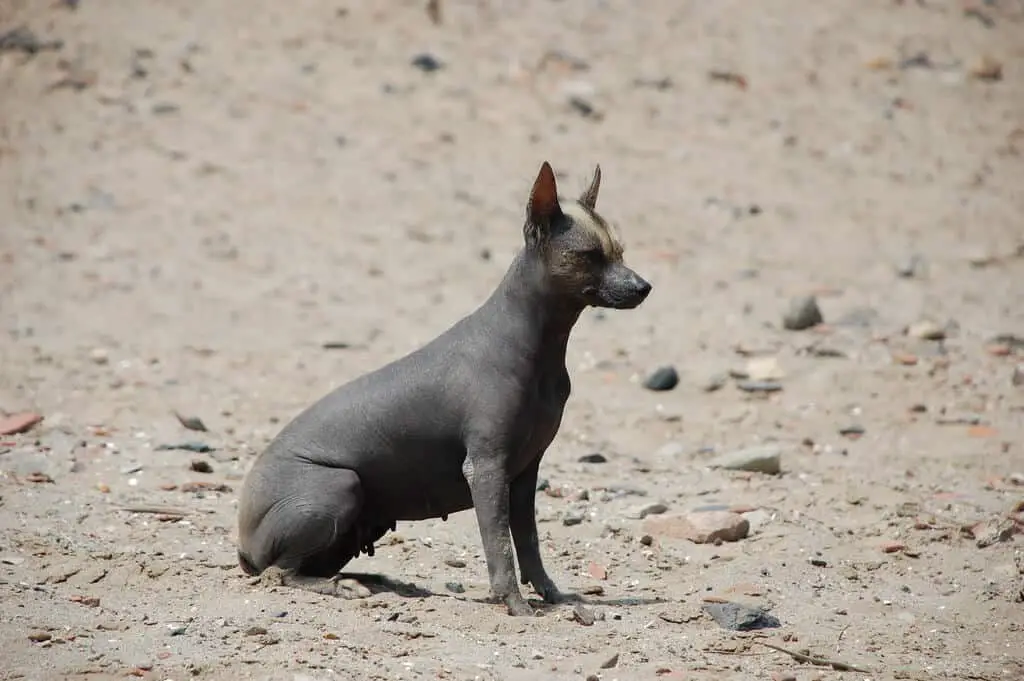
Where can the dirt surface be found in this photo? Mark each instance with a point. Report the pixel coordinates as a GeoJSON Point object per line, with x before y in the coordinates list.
{"type": "Point", "coordinates": [196, 197]}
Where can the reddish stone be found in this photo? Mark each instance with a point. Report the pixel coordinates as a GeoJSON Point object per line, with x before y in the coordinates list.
{"type": "Point", "coordinates": [700, 527]}
{"type": "Point", "coordinates": [19, 423]}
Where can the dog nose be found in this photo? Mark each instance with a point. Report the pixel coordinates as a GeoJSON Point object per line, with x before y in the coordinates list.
{"type": "Point", "coordinates": [643, 288]}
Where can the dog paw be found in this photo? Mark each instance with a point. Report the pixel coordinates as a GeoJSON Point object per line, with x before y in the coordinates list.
{"type": "Point", "coordinates": [550, 593]}
{"type": "Point", "coordinates": [518, 607]}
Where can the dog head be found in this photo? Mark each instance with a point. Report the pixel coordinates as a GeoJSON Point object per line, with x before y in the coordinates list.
{"type": "Point", "coordinates": [580, 250]}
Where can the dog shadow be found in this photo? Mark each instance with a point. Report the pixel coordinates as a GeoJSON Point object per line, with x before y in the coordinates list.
{"type": "Point", "coordinates": [378, 583]}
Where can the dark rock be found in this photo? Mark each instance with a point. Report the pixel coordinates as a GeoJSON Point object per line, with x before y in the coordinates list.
{"type": "Point", "coordinates": [191, 422]}
{"type": "Point", "coordinates": [196, 447]}
{"type": "Point", "coordinates": [663, 378]}
{"type": "Point", "coordinates": [583, 107]}
{"type": "Point", "coordinates": [455, 587]}
{"type": "Point", "coordinates": [200, 466]}
{"type": "Point", "coordinates": [583, 615]}
{"type": "Point", "coordinates": [22, 39]}
{"type": "Point", "coordinates": [596, 457]}
{"type": "Point", "coordinates": [737, 617]}
{"type": "Point", "coordinates": [803, 313]}
{"type": "Point", "coordinates": [427, 62]}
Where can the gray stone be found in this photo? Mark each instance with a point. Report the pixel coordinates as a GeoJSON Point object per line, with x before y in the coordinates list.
{"type": "Point", "coordinates": [803, 313]}
{"type": "Point", "coordinates": [663, 378]}
{"type": "Point", "coordinates": [641, 512]}
{"type": "Point", "coordinates": [738, 617]}
{"type": "Point", "coordinates": [759, 386]}
{"type": "Point", "coordinates": [761, 459]}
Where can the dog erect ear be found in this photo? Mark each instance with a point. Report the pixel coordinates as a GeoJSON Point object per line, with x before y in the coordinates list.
{"type": "Point", "coordinates": [542, 208]}
{"type": "Point", "coordinates": [589, 197]}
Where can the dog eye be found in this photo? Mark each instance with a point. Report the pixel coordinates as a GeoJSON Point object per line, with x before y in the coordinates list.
{"type": "Point", "coordinates": [594, 254]}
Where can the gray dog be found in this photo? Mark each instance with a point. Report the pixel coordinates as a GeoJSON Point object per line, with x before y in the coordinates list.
{"type": "Point", "coordinates": [460, 423]}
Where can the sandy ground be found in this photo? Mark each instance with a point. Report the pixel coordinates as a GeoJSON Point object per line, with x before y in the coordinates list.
{"type": "Point", "coordinates": [195, 197]}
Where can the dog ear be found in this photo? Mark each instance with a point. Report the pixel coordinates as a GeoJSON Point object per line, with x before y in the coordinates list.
{"type": "Point", "coordinates": [542, 208]}
{"type": "Point", "coordinates": [589, 197]}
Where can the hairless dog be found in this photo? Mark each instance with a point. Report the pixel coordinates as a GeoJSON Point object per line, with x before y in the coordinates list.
{"type": "Point", "coordinates": [462, 422]}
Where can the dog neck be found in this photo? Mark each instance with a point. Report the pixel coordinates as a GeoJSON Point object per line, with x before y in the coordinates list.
{"type": "Point", "coordinates": [527, 296]}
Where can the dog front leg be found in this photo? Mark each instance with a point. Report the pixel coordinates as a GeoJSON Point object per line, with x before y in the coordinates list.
{"type": "Point", "coordinates": [487, 476]}
{"type": "Point", "coordinates": [523, 521]}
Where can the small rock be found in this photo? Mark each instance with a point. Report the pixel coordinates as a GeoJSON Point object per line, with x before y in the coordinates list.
{"type": "Point", "coordinates": [783, 676]}
{"type": "Point", "coordinates": [39, 636]}
{"type": "Point", "coordinates": [641, 512]}
{"type": "Point", "coordinates": [610, 661]}
{"type": "Point", "coordinates": [200, 466]}
{"type": "Point", "coordinates": [802, 313]}
{"type": "Point", "coordinates": [19, 422]}
{"type": "Point", "coordinates": [191, 422]}
{"type": "Point", "coordinates": [761, 459]}
{"type": "Point", "coordinates": [706, 527]}
{"type": "Point", "coordinates": [99, 356]}
{"type": "Point", "coordinates": [572, 518]}
{"type": "Point", "coordinates": [597, 571]}
{"type": "Point", "coordinates": [818, 562]}
{"type": "Point", "coordinates": [663, 378]}
{"type": "Point", "coordinates": [427, 62]}
{"type": "Point", "coordinates": [892, 547]}
{"type": "Point", "coordinates": [853, 431]}
{"type": "Point", "coordinates": [764, 369]}
{"type": "Point", "coordinates": [255, 631]}
{"type": "Point", "coordinates": [583, 107]}
{"type": "Point", "coordinates": [1017, 378]}
{"type": "Point", "coordinates": [913, 267]}
{"type": "Point", "coordinates": [583, 615]}
{"type": "Point", "coordinates": [646, 540]}
{"type": "Point", "coordinates": [986, 67]}
{"type": "Point", "coordinates": [176, 628]}
{"type": "Point", "coordinates": [905, 358]}
{"type": "Point", "coordinates": [536, 655]}
{"type": "Point", "coordinates": [926, 330]}
{"type": "Point", "coordinates": [738, 617]}
{"type": "Point", "coordinates": [22, 39]}
{"type": "Point", "coordinates": [455, 562]}
{"type": "Point", "coordinates": [715, 382]}
{"type": "Point", "coordinates": [593, 458]}
{"type": "Point", "coordinates": [195, 447]}
{"type": "Point", "coordinates": [455, 587]}
{"type": "Point", "coordinates": [759, 386]}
